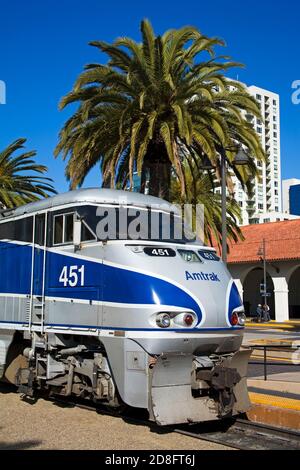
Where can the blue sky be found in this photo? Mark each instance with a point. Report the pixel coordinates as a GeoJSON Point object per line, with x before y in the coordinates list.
{"type": "Point", "coordinates": [44, 46]}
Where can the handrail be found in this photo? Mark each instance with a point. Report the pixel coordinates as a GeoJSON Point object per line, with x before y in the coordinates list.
{"type": "Point", "coordinates": [266, 347]}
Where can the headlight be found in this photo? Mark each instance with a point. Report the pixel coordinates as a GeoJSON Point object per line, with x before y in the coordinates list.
{"type": "Point", "coordinates": [188, 319]}
{"type": "Point", "coordinates": [234, 319]}
{"type": "Point", "coordinates": [163, 320]}
{"type": "Point", "coordinates": [189, 256]}
{"type": "Point", "coordinates": [185, 319]}
{"type": "Point", "coordinates": [176, 319]}
{"type": "Point", "coordinates": [238, 317]}
{"type": "Point", "coordinates": [242, 319]}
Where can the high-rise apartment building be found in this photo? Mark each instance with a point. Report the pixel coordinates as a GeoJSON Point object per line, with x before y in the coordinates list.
{"type": "Point", "coordinates": [291, 196]}
{"type": "Point", "coordinates": [266, 191]}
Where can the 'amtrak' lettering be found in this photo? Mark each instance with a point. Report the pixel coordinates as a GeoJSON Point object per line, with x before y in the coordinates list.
{"type": "Point", "coordinates": [202, 276]}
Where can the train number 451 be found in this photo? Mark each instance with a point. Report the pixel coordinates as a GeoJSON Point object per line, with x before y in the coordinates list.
{"type": "Point", "coordinates": [72, 276]}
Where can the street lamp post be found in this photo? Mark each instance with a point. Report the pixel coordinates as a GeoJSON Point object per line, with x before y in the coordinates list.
{"type": "Point", "coordinates": [262, 252]}
{"type": "Point", "coordinates": [224, 206]}
{"type": "Point", "coordinates": [241, 158]}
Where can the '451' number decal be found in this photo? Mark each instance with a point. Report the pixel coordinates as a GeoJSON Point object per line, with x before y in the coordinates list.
{"type": "Point", "coordinates": [72, 276]}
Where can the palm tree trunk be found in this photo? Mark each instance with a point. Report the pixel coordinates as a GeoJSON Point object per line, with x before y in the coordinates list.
{"type": "Point", "coordinates": [156, 172]}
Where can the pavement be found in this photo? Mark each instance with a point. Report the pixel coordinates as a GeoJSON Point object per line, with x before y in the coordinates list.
{"type": "Point", "coordinates": [276, 400]}
{"type": "Point", "coordinates": [46, 425]}
{"type": "Point", "coordinates": [288, 325]}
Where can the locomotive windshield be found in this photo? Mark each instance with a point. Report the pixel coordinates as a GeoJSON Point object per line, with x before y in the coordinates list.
{"type": "Point", "coordinates": [131, 223]}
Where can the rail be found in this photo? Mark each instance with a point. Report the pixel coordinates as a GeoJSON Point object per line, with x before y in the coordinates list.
{"type": "Point", "coordinates": [266, 347]}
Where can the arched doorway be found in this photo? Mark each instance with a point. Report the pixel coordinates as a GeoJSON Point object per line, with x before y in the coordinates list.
{"type": "Point", "coordinates": [252, 295]}
{"type": "Point", "coordinates": [294, 294]}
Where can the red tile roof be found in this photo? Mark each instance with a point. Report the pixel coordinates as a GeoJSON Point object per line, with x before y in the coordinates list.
{"type": "Point", "coordinates": [282, 242]}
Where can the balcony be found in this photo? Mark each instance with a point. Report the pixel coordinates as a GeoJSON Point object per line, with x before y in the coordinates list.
{"type": "Point", "coordinates": [250, 202]}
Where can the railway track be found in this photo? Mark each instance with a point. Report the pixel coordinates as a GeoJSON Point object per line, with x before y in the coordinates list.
{"type": "Point", "coordinates": [246, 435]}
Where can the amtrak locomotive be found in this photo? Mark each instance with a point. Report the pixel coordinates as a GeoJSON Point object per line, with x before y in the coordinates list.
{"type": "Point", "coordinates": [149, 322]}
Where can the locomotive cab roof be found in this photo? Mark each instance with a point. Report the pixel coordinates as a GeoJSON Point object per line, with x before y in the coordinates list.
{"type": "Point", "coordinates": [90, 195]}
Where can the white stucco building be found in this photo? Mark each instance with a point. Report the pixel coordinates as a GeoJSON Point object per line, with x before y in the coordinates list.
{"type": "Point", "coordinates": [282, 242]}
{"type": "Point", "coordinates": [266, 217]}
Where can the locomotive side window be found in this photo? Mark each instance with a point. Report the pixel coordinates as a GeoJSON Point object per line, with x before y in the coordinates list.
{"type": "Point", "coordinates": [40, 230]}
{"type": "Point", "coordinates": [63, 228]}
{"type": "Point", "coordinates": [7, 231]}
{"type": "Point", "coordinates": [87, 234]}
{"type": "Point", "coordinates": [20, 230]}
{"type": "Point", "coordinates": [58, 229]}
{"type": "Point", "coordinates": [69, 222]}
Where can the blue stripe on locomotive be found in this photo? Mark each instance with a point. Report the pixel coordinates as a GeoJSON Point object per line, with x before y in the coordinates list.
{"type": "Point", "coordinates": [102, 282]}
{"type": "Point", "coordinates": [235, 300]}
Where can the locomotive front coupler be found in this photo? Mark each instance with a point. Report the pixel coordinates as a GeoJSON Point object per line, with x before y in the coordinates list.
{"type": "Point", "coordinates": [220, 377]}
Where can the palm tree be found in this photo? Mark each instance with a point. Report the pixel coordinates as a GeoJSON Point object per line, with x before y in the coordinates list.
{"type": "Point", "coordinates": [17, 185]}
{"type": "Point", "coordinates": [151, 100]}
{"type": "Point", "coordinates": [203, 188]}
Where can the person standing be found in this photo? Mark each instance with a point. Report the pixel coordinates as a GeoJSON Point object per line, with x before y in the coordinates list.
{"type": "Point", "coordinates": [266, 313]}
{"type": "Point", "coordinates": [259, 313]}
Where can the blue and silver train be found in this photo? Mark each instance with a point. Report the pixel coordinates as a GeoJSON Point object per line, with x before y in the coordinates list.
{"type": "Point", "coordinates": [149, 323]}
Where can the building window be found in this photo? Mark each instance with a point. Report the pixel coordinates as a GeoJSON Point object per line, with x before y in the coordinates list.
{"type": "Point", "coordinates": [260, 206]}
{"type": "Point", "coordinates": [274, 103]}
{"type": "Point", "coordinates": [241, 203]}
{"type": "Point", "coordinates": [266, 221]}
{"type": "Point", "coordinates": [276, 184]}
{"type": "Point", "coordinates": [258, 122]}
{"type": "Point", "coordinates": [276, 209]}
{"type": "Point", "coordinates": [274, 118]}
{"type": "Point", "coordinates": [259, 130]}
{"type": "Point", "coordinates": [258, 97]}
{"type": "Point", "coordinates": [275, 135]}
{"type": "Point", "coordinates": [276, 192]}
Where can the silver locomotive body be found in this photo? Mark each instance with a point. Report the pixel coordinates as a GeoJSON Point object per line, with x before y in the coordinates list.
{"type": "Point", "coordinates": [151, 324]}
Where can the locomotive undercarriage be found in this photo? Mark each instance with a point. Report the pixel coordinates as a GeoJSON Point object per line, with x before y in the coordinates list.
{"type": "Point", "coordinates": [181, 387]}
{"type": "Point", "coordinates": [62, 366]}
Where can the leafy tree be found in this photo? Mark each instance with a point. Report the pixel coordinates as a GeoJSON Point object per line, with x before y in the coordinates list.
{"type": "Point", "coordinates": [150, 101]}
{"type": "Point", "coordinates": [17, 183]}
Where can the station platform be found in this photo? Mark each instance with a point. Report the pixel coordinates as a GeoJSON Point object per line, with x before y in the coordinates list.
{"type": "Point", "coordinates": [291, 325]}
{"type": "Point", "coordinates": [275, 402]}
